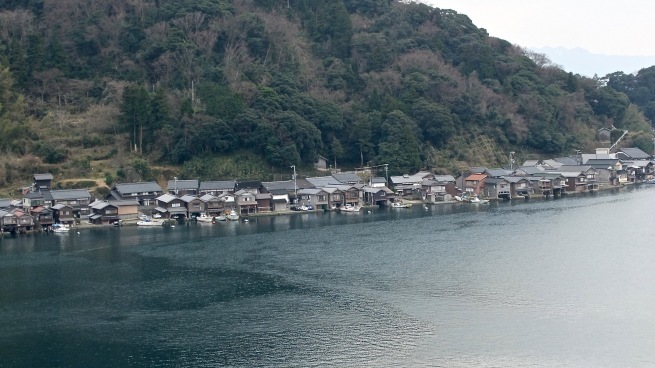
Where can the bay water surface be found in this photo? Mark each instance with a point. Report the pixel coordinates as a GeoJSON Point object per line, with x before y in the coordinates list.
{"type": "Point", "coordinates": [542, 283]}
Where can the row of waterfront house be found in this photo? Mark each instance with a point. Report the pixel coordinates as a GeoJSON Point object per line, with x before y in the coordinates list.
{"type": "Point", "coordinates": [43, 206]}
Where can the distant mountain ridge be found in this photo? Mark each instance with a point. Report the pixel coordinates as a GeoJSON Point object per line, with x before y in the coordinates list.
{"type": "Point", "coordinates": [586, 63]}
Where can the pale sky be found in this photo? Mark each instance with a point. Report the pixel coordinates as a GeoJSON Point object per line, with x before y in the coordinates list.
{"type": "Point", "coordinates": [599, 26]}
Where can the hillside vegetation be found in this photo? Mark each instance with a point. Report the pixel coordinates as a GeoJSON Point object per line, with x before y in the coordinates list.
{"type": "Point", "coordinates": [147, 89]}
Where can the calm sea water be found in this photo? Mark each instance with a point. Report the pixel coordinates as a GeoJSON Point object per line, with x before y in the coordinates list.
{"type": "Point", "coordinates": [555, 283]}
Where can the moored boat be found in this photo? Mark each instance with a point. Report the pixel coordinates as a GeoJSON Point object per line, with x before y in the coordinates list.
{"type": "Point", "coordinates": [205, 218]}
{"type": "Point", "coordinates": [400, 205]}
{"type": "Point", "coordinates": [350, 208]}
{"type": "Point", "coordinates": [60, 228]}
{"type": "Point", "coordinates": [149, 222]}
{"type": "Point", "coordinates": [232, 216]}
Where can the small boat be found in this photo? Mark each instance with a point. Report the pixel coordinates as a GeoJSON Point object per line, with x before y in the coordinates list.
{"type": "Point", "coordinates": [400, 205]}
{"type": "Point", "coordinates": [232, 216]}
{"type": "Point", "coordinates": [149, 222]}
{"type": "Point", "coordinates": [477, 200]}
{"type": "Point", "coordinates": [350, 208]}
{"type": "Point", "coordinates": [221, 218]}
{"type": "Point", "coordinates": [60, 228]}
{"type": "Point", "coordinates": [204, 218]}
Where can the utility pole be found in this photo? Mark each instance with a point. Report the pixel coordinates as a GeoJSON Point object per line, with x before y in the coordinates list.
{"type": "Point", "coordinates": [295, 186]}
{"type": "Point", "coordinates": [511, 160]}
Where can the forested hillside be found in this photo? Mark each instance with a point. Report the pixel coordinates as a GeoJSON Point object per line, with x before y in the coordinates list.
{"type": "Point", "coordinates": [137, 89]}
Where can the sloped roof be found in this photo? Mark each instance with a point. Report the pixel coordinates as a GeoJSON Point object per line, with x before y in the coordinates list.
{"type": "Point", "coordinates": [312, 191]}
{"type": "Point", "coordinates": [566, 160]}
{"type": "Point", "coordinates": [347, 177]}
{"type": "Point", "coordinates": [46, 176]}
{"type": "Point", "coordinates": [217, 185]}
{"type": "Point", "coordinates": [495, 181]}
{"type": "Point", "coordinates": [166, 198]}
{"type": "Point", "coordinates": [514, 179]}
{"type": "Point", "coordinates": [476, 177]}
{"type": "Point", "coordinates": [278, 185]}
{"type": "Point", "coordinates": [323, 181]}
{"type": "Point", "coordinates": [141, 187]}
{"type": "Point", "coordinates": [188, 198]}
{"type": "Point", "coordinates": [66, 194]}
{"type": "Point", "coordinates": [5, 202]}
{"type": "Point", "coordinates": [531, 170]}
{"type": "Point", "coordinates": [634, 153]}
{"type": "Point", "coordinates": [182, 184]}
{"type": "Point", "coordinates": [444, 178]}
{"type": "Point", "coordinates": [495, 173]}
{"type": "Point", "coordinates": [208, 197]}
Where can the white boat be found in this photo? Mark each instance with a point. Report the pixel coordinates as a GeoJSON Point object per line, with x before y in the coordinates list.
{"type": "Point", "coordinates": [400, 205]}
{"type": "Point", "coordinates": [232, 216]}
{"type": "Point", "coordinates": [350, 208]}
{"type": "Point", "coordinates": [149, 222]}
{"type": "Point", "coordinates": [204, 218]}
{"type": "Point", "coordinates": [477, 200]}
{"type": "Point", "coordinates": [60, 228]}
{"type": "Point", "coordinates": [221, 218]}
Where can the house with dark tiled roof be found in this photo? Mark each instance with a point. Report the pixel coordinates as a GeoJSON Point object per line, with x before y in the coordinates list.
{"type": "Point", "coordinates": [379, 196]}
{"type": "Point", "coordinates": [170, 206]}
{"type": "Point", "coordinates": [43, 217]}
{"type": "Point", "coordinates": [8, 221]}
{"type": "Point", "coordinates": [519, 186]}
{"type": "Point", "coordinates": [264, 202]}
{"type": "Point", "coordinates": [194, 206]}
{"type": "Point", "coordinates": [42, 182]}
{"type": "Point", "coordinates": [103, 212]}
{"type": "Point", "coordinates": [63, 214]}
{"type": "Point", "coordinates": [497, 188]}
{"type": "Point", "coordinates": [35, 199]}
{"type": "Point", "coordinates": [246, 201]}
{"type": "Point", "coordinates": [78, 199]}
{"type": "Point", "coordinates": [182, 187]}
{"type": "Point", "coordinates": [313, 196]}
{"type": "Point", "coordinates": [211, 204]}
{"type": "Point", "coordinates": [143, 192]}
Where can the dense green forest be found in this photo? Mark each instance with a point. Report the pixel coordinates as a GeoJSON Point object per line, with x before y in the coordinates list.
{"type": "Point", "coordinates": [140, 89]}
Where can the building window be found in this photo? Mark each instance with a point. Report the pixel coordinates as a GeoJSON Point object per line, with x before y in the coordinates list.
{"type": "Point", "coordinates": [175, 205]}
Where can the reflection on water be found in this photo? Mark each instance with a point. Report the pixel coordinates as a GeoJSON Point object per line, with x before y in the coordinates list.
{"type": "Point", "coordinates": [541, 283]}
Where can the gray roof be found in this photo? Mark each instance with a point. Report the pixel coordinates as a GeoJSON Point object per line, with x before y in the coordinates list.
{"type": "Point", "coordinates": [46, 176]}
{"type": "Point", "coordinates": [323, 181]}
{"type": "Point", "coordinates": [566, 160]}
{"type": "Point", "coordinates": [217, 185]}
{"type": "Point", "coordinates": [601, 163]}
{"type": "Point", "coordinates": [66, 194]}
{"type": "Point", "coordinates": [286, 185]}
{"type": "Point", "coordinates": [208, 197]}
{"type": "Point", "coordinates": [531, 170]}
{"type": "Point", "coordinates": [182, 184]}
{"type": "Point", "coordinates": [166, 198]}
{"type": "Point", "coordinates": [5, 202]}
{"type": "Point", "coordinates": [142, 187]}
{"type": "Point", "coordinates": [444, 178]}
{"type": "Point", "coordinates": [495, 181]}
{"type": "Point", "coordinates": [531, 163]}
{"type": "Point", "coordinates": [347, 178]}
{"type": "Point", "coordinates": [60, 206]}
{"type": "Point", "coordinates": [378, 180]}
{"type": "Point", "coordinates": [477, 170]}
{"type": "Point", "coordinates": [32, 195]}
{"type": "Point", "coordinates": [575, 168]}
{"type": "Point", "coordinates": [263, 196]}
{"type": "Point", "coordinates": [496, 173]}
{"type": "Point", "coordinates": [313, 191]}
{"type": "Point", "coordinates": [514, 179]}
{"type": "Point", "coordinates": [634, 153]}
{"type": "Point", "coordinates": [188, 198]}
